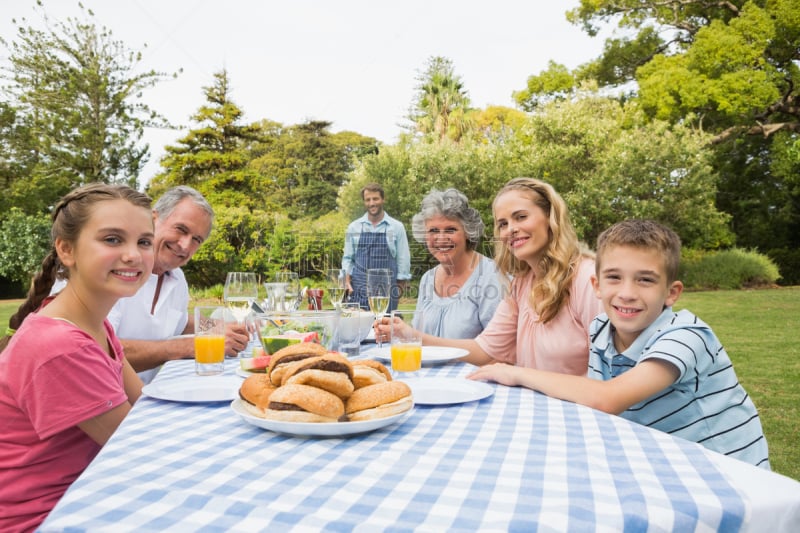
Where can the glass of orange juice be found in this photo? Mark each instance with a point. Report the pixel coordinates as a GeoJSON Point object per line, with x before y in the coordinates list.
{"type": "Point", "coordinates": [209, 340]}
{"type": "Point", "coordinates": [406, 349]}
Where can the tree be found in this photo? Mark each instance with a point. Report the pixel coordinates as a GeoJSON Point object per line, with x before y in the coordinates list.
{"type": "Point", "coordinates": [761, 189]}
{"type": "Point", "coordinates": [304, 166]}
{"type": "Point", "coordinates": [730, 66]}
{"type": "Point", "coordinates": [16, 161]}
{"type": "Point", "coordinates": [441, 107]}
{"type": "Point", "coordinates": [726, 68]}
{"type": "Point", "coordinates": [213, 157]}
{"type": "Point", "coordinates": [609, 163]}
{"type": "Point", "coordinates": [267, 183]}
{"type": "Point", "coordinates": [24, 241]}
{"type": "Point", "coordinates": [77, 118]}
{"type": "Point", "coordinates": [497, 123]}
{"type": "Point", "coordinates": [606, 160]}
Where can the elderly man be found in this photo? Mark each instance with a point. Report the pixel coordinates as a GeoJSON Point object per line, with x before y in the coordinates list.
{"type": "Point", "coordinates": [150, 323]}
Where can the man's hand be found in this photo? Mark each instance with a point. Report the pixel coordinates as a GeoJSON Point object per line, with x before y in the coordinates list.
{"type": "Point", "coordinates": [236, 338]}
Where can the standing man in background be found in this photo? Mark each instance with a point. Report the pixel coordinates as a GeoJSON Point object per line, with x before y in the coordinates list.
{"type": "Point", "coordinates": [375, 240]}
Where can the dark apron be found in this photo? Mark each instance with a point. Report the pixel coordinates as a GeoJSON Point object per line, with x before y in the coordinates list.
{"type": "Point", "coordinates": [373, 252]}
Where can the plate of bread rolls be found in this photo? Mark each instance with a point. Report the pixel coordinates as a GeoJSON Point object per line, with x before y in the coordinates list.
{"type": "Point", "coordinates": [310, 392]}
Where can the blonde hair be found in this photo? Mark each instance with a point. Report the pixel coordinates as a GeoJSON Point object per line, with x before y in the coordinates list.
{"type": "Point", "coordinates": [551, 290]}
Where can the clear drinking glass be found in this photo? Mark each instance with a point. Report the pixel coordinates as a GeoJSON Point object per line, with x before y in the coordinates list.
{"type": "Point", "coordinates": [336, 278]}
{"type": "Point", "coordinates": [293, 294]}
{"type": "Point", "coordinates": [406, 350]}
{"type": "Point", "coordinates": [354, 326]}
{"type": "Point", "coordinates": [379, 287]}
{"type": "Point", "coordinates": [276, 295]}
{"type": "Point", "coordinates": [209, 340]}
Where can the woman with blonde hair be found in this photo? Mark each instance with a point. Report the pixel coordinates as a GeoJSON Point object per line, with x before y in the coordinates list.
{"type": "Point", "coordinates": [544, 320]}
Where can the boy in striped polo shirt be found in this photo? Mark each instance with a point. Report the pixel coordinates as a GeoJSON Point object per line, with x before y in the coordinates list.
{"type": "Point", "coordinates": [649, 364]}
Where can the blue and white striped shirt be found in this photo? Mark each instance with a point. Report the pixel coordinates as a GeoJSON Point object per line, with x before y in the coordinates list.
{"type": "Point", "coordinates": [706, 404]}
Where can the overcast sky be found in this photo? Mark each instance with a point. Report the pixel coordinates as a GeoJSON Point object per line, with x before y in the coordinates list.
{"type": "Point", "coordinates": [350, 62]}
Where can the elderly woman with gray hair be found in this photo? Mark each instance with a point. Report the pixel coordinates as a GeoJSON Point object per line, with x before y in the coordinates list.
{"type": "Point", "coordinates": [458, 297]}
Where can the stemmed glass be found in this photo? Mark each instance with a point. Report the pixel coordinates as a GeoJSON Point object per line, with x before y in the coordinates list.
{"type": "Point", "coordinates": [336, 286]}
{"type": "Point", "coordinates": [379, 286]}
{"type": "Point", "coordinates": [241, 290]}
{"type": "Point", "coordinates": [293, 294]}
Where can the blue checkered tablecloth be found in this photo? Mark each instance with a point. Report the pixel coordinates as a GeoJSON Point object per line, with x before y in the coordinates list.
{"type": "Point", "coordinates": [516, 461]}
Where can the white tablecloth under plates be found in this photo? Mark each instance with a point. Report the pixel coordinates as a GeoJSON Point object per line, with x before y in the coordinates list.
{"type": "Point", "coordinates": [515, 461]}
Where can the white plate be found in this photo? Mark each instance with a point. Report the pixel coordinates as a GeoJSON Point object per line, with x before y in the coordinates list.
{"type": "Point", "coordinates": [447, 391]}
{"type": "Point", "coordinates": [311, 429]}
{"type": "Point", "coordinates": [195, 389]}
{"type": "Point", "coordinates": [430, 354]}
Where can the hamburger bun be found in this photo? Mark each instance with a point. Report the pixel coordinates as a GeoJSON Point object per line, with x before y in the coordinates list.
{"type": "Point", "coordinates": [379, 401]}
{"type": "Point", "coordinates": [369, 372]}
{"type": "Point", "coordinates": [331, 372]}
{"type": "Point", "coordinates": [290, 354]}
{"type": "Point", "coordinates": [255, 392]}
{"type": "Point", "coordinates": [303, 403]}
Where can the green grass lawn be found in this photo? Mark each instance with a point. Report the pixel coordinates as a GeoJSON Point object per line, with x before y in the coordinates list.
{"type": "Point", "coordinates": [756, 328]}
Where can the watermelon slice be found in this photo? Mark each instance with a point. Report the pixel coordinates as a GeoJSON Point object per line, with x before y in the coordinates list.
{"type": "Point", "coordinates": [273, 343]}
{"type": "Point", "coordinates": [255, 364]}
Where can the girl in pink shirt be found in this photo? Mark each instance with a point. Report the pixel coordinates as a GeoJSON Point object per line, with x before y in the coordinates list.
{"type": "Point", "coordinates": [65, 385]}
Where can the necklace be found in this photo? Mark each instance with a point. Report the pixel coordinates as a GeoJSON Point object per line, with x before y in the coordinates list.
{"type": "Point", "coordinates": [449, 285]}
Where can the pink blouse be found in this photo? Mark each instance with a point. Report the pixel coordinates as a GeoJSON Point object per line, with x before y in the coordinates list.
{"type": "Point", "coordinates": [515, 335]}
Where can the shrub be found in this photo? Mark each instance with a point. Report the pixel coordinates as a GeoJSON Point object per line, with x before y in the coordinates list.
{"type": "Point", "coordinates": [788, 262]}
{"type": "Point", "coordinates": [211, 294]}
{"type": "Point", "coordinates": [24, 241]}
{"type": "Point", "coordinates": [726, 269]}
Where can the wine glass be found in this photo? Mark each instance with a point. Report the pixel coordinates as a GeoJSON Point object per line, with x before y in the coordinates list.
{"type": "Point", "coordinates": [293, 293]}
{"type": "Point", "coordinates": [241, 290]}
{"type": "Point", "coordinates": [336, 286]}
{"type": "Point", "coordinates": [379, 286]}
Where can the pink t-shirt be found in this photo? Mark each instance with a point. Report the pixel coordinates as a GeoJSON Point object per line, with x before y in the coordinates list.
{"type": "Point", "coordinates": [52, 377]}
{"type": "Point", "coordinates": [515, 335]}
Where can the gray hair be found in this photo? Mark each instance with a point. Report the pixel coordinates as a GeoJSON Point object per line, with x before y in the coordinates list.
{"type": "Point", "coordinates": [175, 195]}
{"type": "Point", "coordinates": [451, 204]}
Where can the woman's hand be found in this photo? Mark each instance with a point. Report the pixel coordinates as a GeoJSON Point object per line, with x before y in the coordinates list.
{"type": "Point", "coordinates": [383, 329]}
{"type": "Point", "coordinates": [501, 373]}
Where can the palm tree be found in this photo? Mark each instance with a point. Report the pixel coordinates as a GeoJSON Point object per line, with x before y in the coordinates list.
{"type": "Point", "coordinates": [442, 104]}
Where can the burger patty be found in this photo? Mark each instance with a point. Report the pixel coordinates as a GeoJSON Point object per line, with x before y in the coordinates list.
{"type": "Point", "coordinates": [328, 365]}
{"type": "Point", "coordinates": [292, 358]}
{"type": "Point", "coordinates": [280, 406]}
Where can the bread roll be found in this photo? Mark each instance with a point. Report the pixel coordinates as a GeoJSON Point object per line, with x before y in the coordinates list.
{"type": "Point", "coordinates": [290, 354]}
{"type": "Point", "coordinates": [379, 401]}
{"type": "Point", "coordinates": [255, 392]}
{"type": "Point", "coordinates": [331, 372]}
{"type": "Point", "coordinates": [303, 403]}
{"type": "Point", "coordinates": [369, 372]}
